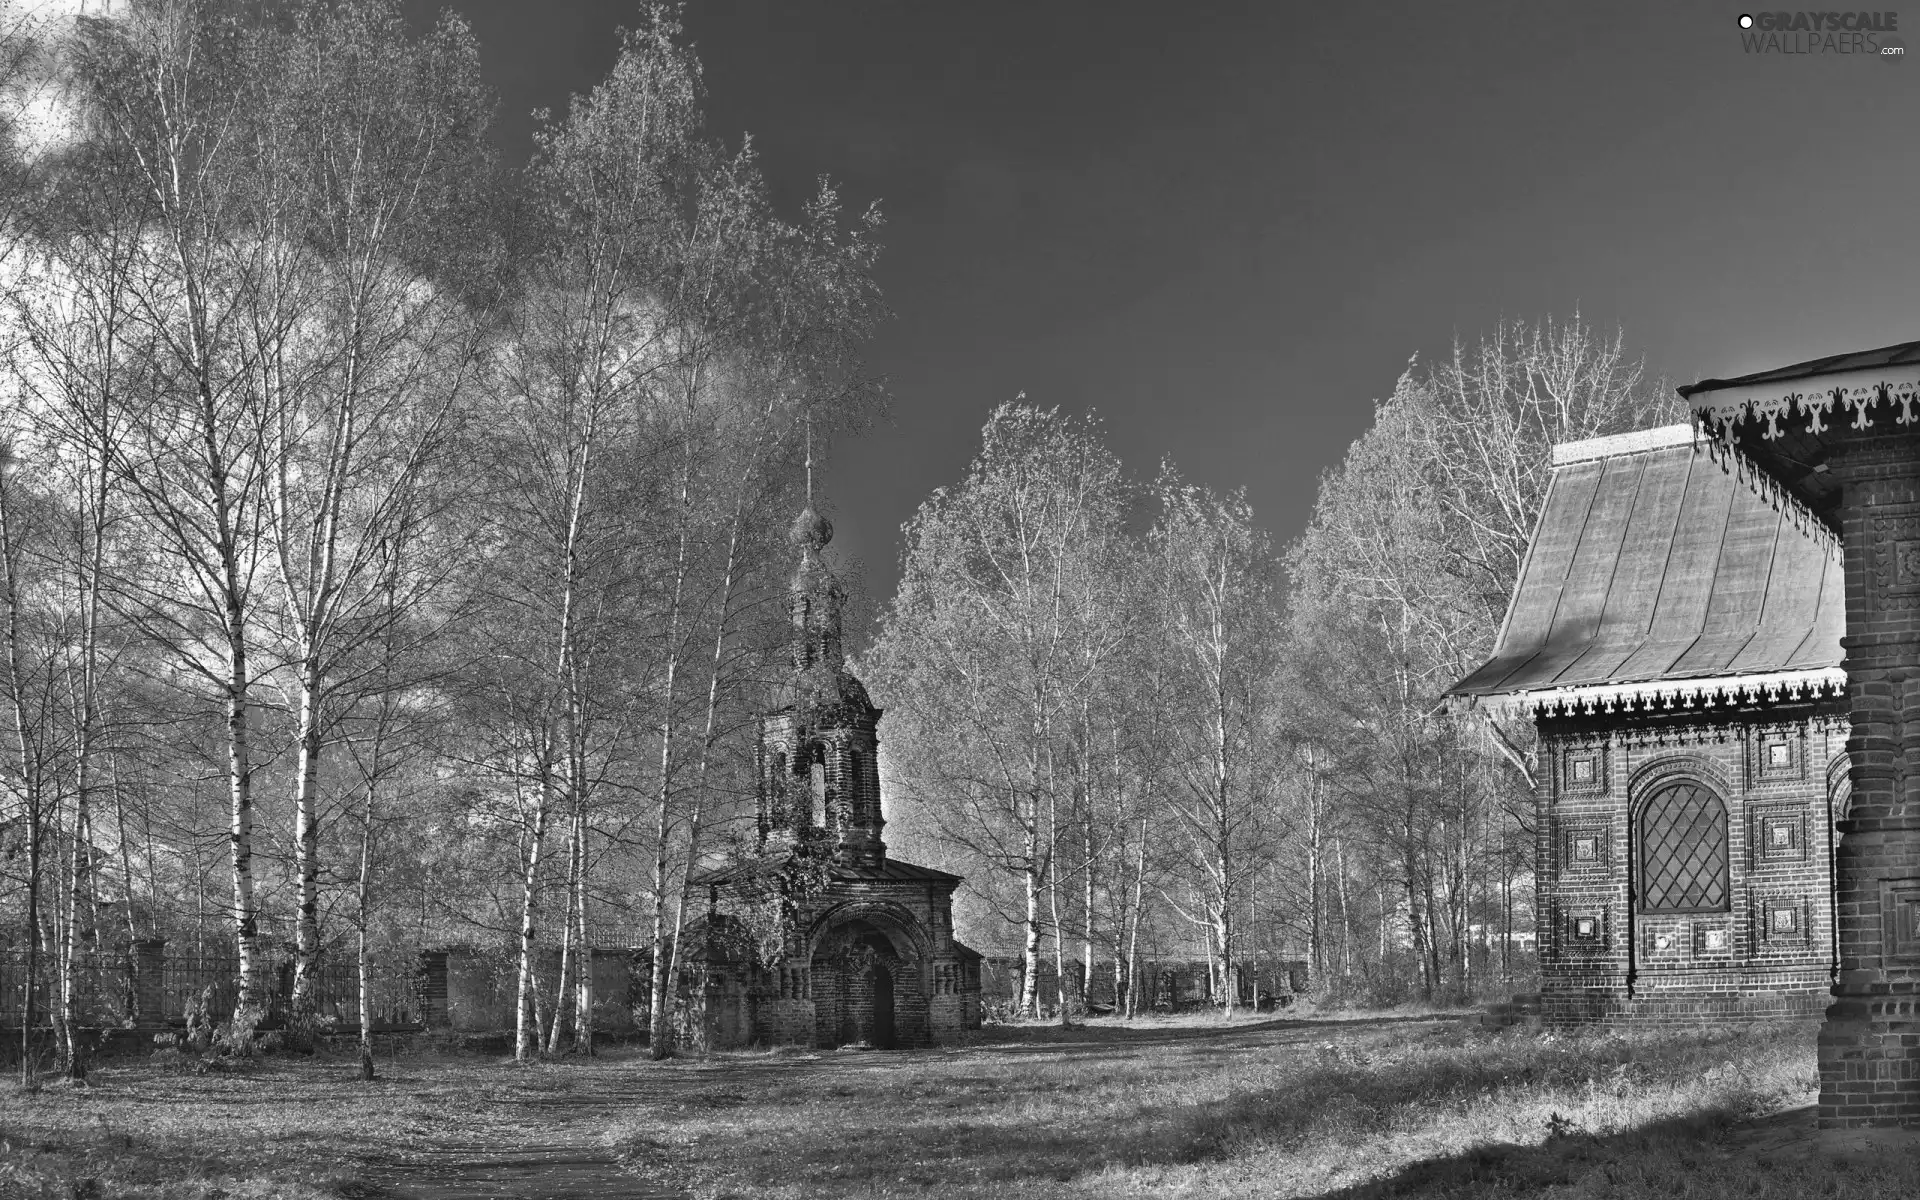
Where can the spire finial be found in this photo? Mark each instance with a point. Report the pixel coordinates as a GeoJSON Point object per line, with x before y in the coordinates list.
{"type": "Point", "coordinates": [810, 530]}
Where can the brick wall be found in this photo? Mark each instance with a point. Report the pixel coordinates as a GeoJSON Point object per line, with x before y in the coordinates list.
{"type": "Point", "coordinates": [1869, 1072]}
{"type": "Point", "coordinates": [955, 1005]}
{"type": "Point", "coordinates": [846, 934]}
{"type": "Point", "coordinates": [1765, 949]}
{"type": "Point", "coordinates": [850, 811]}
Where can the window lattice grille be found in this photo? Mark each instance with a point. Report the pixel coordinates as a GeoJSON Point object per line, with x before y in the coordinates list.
{"type": "Point", "coordinates": [1683, 851]}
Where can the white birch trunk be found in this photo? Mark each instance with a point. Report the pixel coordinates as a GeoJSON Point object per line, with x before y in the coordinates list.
{"type": "Point", "coordinates": [526, 1035]}
{"type": "Point", "coordinates": [306, 841]}
{"type": "Point", "coordinates": [72, 1049]}
{"type": "Point", "coordinates": [707, 736]}
{"type": "Point", "coordinates": [554, 1029]}
{"type": "Point", "coordinates": [240, 835]}
{"type": "Point", "coordinates": [364, 896]}
{"type": "Point", "coordinates": [1346, 919]}
{"type": "Point", "coordinates": [1316, 949]}
{"type": "Point", "coordinates": [1133, 943]}
{"type": "Point", "coordinates": [583, 953]}
{"type": "Point", "coordinates": [1086, 900]}
{"type": "Point", "coordinates": [1030, 952]}
{"type": "Point", "coordinates": [660, 1031]}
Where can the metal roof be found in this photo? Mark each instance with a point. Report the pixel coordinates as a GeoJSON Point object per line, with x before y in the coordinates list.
{"type": "Point", "coordinates": [1858, 360]}
{"type": "Point", "coordinates": [891, 870]}
{"type": "Point", "coordinates": [1658, 558]}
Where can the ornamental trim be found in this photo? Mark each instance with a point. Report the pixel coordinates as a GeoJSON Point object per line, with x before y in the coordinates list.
{"type": "Point", "coordinates": [1856, 397]}
{"type": "Point", "coordinates": [1795, 510]}
{"type": "Point", "coordinates": [1673, 695]}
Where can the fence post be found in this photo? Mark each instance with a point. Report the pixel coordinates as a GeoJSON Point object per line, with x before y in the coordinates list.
{"type": "Point", "coordinates": [149, 981]}
{"type": "Point", "coordinates": [433, 988]}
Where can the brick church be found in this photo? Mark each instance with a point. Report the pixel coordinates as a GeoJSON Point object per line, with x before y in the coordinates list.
{"type": "Point", "coordinates": [1675, 635]}
{"type": "Point", "coordinates": [863, 950]}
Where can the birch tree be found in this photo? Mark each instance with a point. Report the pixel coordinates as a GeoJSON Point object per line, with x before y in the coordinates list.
{"type": "Point", "coordinates": [170, 93]}
{"type": "Point", "coordinates": [32, 760]}
{"type": "Point", "coordinates": [676, 329]}
{"type": "Point", "coordinates": [76, 346]}
{"type": "Point", "coordinates": [977, 652]}
{"type": "Point", "coordinates": [376, 144]}
{"type": "Point", "coordinates": [1219, 604]}
{"type": "Point", "coordinates": [591, 334]}
{"type": "Point", "coordinates": [266, 310]}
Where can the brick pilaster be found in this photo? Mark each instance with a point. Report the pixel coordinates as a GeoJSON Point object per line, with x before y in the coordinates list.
{"type": "Point", "coordinates": [1870, 1043]}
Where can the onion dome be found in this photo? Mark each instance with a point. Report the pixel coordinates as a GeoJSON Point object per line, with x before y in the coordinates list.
{"type": "Point", "coordinates": [810, 530]}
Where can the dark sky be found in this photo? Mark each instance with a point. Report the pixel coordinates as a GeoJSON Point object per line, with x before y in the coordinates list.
{"type": "Point", "coordinates": [1227, 226]}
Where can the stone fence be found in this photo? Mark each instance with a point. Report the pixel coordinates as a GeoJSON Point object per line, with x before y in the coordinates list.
{"type": "Point", "coordinates": [150, 984]}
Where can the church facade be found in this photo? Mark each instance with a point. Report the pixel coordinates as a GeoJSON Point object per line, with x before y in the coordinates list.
{"type": "Point", "coordinates": [825, 940]}
{"type": "Point", "coordinates": [1675, 638]}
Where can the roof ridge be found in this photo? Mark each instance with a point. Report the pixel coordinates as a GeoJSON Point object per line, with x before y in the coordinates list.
{"type": "Point", "coordinates": [1631, 442]}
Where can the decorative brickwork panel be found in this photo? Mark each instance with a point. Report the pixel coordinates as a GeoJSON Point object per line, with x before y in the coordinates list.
{"type": "Point", "coordinates": [1712, 940]}
{"type": "Point", "coordinates": [1585, 847]}
{"type": "Point", "coordinates": [1896, 558]}
{"type": "Point", "coordinates": [1777, 836]}
{"type": "Point", "coordinates": [1781, 922]}
{"type": "Point", "coordinates": [1583, 769]}
{"type": "Point", "coordinates": [1584, 931]}
{"type": "Point", "coordinates": [1664, 940]}
{"type": "Point", "coordinates": [1683, 851]}
{"type": "Point", "coordinates": [1777, 754]}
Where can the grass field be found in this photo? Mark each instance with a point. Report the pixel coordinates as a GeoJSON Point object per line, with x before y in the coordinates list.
{"type": "Point", "coordinates": [1381, 1106]}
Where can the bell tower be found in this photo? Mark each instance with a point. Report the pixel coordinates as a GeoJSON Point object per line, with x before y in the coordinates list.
{"type": "Point", "coordinates": [819, 777]}
{"type": "Point", "coordinates": [868, 957]}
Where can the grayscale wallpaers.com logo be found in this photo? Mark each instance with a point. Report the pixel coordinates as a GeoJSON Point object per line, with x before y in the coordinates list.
{"type": "Point", "coordinates": [1822, 33]}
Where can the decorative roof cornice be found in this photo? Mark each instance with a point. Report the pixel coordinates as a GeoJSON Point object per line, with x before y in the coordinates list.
{"type": "Point", "coordinates": [1673, 695]}
{"type": "Point", "coordinates": [1856, 396]}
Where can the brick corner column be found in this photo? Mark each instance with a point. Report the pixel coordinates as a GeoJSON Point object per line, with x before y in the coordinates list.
{"type": "Point", "coordinates": [1870, 1043]}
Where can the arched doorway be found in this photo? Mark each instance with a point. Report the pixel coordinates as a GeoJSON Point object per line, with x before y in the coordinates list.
{"type": "Point", "coordinates": [865, 970]}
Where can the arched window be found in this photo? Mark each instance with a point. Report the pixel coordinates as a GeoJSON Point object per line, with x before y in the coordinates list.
{"type": "Point", "coordinates": [1682, 842]}
{"type": "Point", "coordinates": [816, 784]}
{"type": "Point", "coordinates": [855, 785]}
{"type": "Point", "coordinates": [776, 807]}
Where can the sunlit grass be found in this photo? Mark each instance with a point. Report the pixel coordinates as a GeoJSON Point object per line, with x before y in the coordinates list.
{"type": "Point", "coordinates": [1388, 1106]}
{"type": "Point", "coordinates": [1273, 1111]}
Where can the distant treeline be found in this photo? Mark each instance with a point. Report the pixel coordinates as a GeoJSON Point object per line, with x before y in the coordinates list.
{"type": "Point", "coordinates": [1142, 730]}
